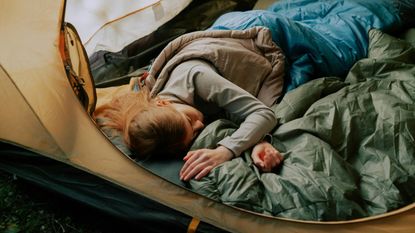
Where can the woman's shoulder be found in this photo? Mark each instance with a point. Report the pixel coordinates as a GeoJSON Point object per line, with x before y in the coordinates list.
{"type": "Point", "coordinates": [194, 65]}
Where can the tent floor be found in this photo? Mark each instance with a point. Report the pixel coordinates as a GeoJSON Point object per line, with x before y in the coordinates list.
{"type": "Point", "coordinates": [89, 190]}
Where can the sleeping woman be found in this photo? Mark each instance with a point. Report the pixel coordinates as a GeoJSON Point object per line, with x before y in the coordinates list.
{"type": "Point", "coordinates": [238, 74]}
{"type": "Point", "coordinates": [196, 86]}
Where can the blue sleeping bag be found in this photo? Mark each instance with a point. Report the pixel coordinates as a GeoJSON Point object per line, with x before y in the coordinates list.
{"type": "Point", "coordinates": [319, 38]}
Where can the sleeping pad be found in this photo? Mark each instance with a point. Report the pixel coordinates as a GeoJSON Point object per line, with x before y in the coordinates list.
{"type": "Point", "coordinates": [323, 38]}
{"type": "Point", "coordinates": [348, 145]}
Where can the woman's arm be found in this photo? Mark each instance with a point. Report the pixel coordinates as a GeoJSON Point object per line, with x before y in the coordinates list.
{"type": "Point", "coordinates": [254, 117]}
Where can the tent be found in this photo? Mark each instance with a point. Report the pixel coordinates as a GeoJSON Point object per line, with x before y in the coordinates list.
{"type": "Point", "coordinates": [48, 136]}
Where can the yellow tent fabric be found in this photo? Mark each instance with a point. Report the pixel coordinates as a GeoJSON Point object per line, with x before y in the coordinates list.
{"type": "Point", "coordinates": [40, 112]}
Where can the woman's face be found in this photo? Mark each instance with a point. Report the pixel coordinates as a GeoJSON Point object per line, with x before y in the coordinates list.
{"type": "Point", "coordinates": [193, 119]}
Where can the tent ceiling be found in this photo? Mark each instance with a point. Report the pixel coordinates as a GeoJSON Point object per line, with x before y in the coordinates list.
{"type": "Point", "coordinates": [103, 25]}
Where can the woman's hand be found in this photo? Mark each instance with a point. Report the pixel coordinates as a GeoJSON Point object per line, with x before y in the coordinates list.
{"type": "Point", "coordinates": [266, 157]}
{"type": "Point", "coordinates": [200, 162]}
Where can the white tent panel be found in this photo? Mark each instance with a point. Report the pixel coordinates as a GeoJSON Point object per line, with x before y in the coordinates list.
{"type": "Point", "coordinates": [103, 25]}
{"type": "Point", "coordinates": [89, 16]}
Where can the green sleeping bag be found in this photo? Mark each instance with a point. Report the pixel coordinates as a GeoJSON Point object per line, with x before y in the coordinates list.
{"type": "Point", "coordinates": [348, 146]}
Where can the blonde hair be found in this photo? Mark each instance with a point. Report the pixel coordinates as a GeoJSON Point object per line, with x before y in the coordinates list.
{"type": "Point", "coordinates": [148, 129]}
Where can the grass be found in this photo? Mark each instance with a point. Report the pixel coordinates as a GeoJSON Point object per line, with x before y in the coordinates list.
{"type": "Point", "coordinates": [27, 208]}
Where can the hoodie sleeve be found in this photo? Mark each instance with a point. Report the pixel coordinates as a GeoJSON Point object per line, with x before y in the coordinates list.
{"type": "Point", "coordinates": [255, 118]}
